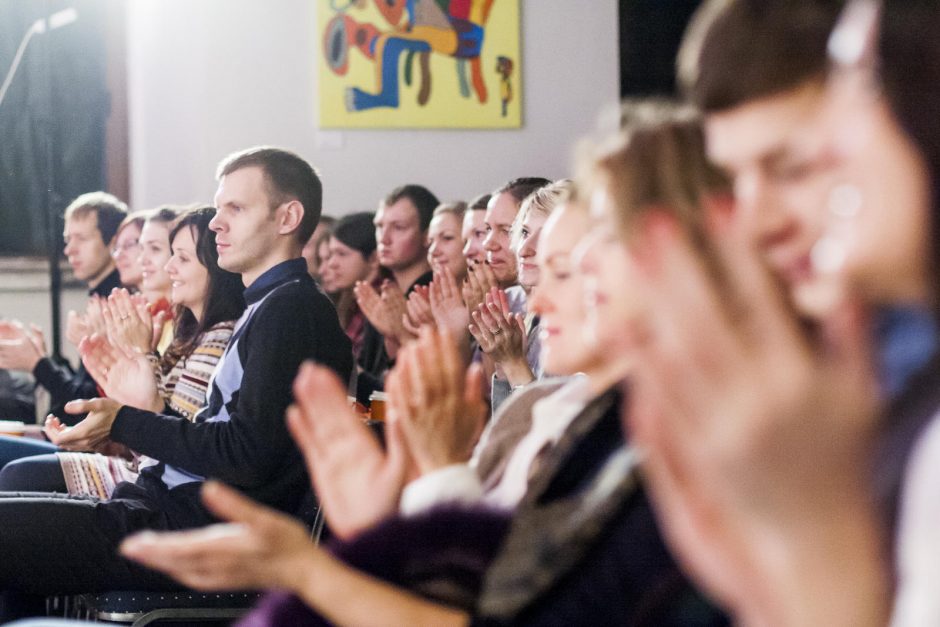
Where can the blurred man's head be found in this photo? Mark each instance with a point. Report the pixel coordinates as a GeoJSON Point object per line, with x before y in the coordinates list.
{"type": "Point", "coordinates": [401, 227]}
{"type": "Point", "coordinates": [91, 221]}
{"type": "Point", "coordinates": [757, 70]}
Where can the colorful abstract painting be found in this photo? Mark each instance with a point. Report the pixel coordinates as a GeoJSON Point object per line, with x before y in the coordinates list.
{"type": "Point", "coordinates": [419, 64]}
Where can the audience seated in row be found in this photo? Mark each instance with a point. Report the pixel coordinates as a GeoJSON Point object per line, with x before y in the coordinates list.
{"type": "Point", "coordinates": [207, 300]}
{"type": "Point", "coordinates": [268, 205]}
{"type": "Point", "coordinates": [582, 543]}
{"type": "Point", "coordinates": [775, 428]}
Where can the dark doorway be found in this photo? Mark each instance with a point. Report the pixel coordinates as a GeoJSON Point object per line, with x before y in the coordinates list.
{"type": "Point", "coordinates": [650, 34]}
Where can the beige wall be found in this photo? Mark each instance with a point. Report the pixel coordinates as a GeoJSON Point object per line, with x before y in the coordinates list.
{"type": "Point", "coordinates": [209, 77]}
{"type": "Point", "coordinates": [24, 295]}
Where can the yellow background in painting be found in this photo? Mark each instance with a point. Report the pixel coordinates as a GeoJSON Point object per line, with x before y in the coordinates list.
{"type": "Point", "coordinates": [446, 108]}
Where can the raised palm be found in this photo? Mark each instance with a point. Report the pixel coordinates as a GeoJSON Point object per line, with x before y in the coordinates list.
{"type": "Point", "coordinates": [357, 482]}
{"type": "Point", "coordinates": [126, 376]}
{"type": "Point", "coordinates": [447, 304]}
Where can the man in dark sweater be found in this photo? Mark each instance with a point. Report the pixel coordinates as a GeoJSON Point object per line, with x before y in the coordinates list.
{"type": "Point", "coordinates": [268, 205]}
{"type": "Point", "coordinates": [401, 237]}
{"type": "Point", "coordinates": [91, 221]}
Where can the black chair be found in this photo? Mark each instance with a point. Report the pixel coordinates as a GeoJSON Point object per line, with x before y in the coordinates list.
{"type": "Point", "coordinates": [139, 607]}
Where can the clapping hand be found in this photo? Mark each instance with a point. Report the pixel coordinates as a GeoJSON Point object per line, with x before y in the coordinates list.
{"type": "Point", "coordinates": [91, 434]}
{"type": "Point", "coordinates": [124, 374]}
{"type": "Point", "coordinates": [756, 432]}
{"type": "Point", "coordinates": [439, 403]}
{"type": "Point", "coordinates": [418, 312]}
{"type": "Point", "coordinates": [357, 482]}
{"type": "Point", "coordinates": [21, 348]}
{"type": "Point", "coordinates": [258, 548]}
{"type": "Point", "coordinates": [501, 335]}
{"type": "Point", "coordinates": [447, 305]}
{"type": "Point", "coordinates": [129, 322]}
{"type": "Point", "coordinates": [480, 280]}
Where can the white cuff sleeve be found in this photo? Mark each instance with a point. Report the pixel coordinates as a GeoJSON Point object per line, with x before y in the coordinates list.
{"type": "Point", "coordinates": [456, 483]}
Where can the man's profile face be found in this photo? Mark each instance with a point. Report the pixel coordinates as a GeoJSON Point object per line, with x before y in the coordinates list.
{"type": "Point", "coordinates": [399, 239]}
{"type": "Point", "coordinates": [87, 253]}
{"type": "Point", "coordinates": [500, 214]}
{"type": "Point", "coordinates": [781, 178]}
{"type": "Point", "coordinates": [246, 226]}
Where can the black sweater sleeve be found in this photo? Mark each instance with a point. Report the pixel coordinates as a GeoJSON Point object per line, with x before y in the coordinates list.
{"type": "Point", "coordinates": [63, 386]}
{"type": "Point", "coordinates": [251, 449]}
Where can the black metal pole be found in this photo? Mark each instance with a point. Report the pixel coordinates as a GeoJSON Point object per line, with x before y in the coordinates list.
{"type": "Point", "coordinates": [50, 209]}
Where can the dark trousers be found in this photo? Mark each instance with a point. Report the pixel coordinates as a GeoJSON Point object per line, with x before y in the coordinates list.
{"type": "Point", "coordinates": [55, 543]}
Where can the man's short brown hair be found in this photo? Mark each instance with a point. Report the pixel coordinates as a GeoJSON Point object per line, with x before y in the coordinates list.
{"type": "Point", "coordinates": [521, 187]}
{"type": "Point", "coordinates": [420, 196]}
{"type": "Point", "coordinates": [287, 177]}
{"type": "Point", "coordinates": [109, 210]}
{"type": "Point", "coordinates": [737, 51]}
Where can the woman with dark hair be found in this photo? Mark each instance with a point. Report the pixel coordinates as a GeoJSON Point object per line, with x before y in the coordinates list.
{"type": "Point", "coordinates": [352, 259]}
{"type": "Point", "coordinates": [207, 300]}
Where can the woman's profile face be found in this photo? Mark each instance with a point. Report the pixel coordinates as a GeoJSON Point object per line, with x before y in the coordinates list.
{"type": "Point", "coordinates": [880, 209]}
{"type": "Point", "coordinates": [154, 253]}
{"type": "Point", "coordinates": [126, 255]}
{"type": "Point", "coordinates": [346, 265]}
{"type": "Point", "coordinates": [327, 278]}
{"type": "Point", "coordinates": [474, 232]}
{"type": "Point", "coordinates": [190, 279]}
{"type": "Point", "coordinates": [445, 243]}
{"type": "Point", "coordinates": [612, 301]}
{"type": "Point", "coordinates": [877, 211]}
{"type": "Point", "coordinates": [557, 299]}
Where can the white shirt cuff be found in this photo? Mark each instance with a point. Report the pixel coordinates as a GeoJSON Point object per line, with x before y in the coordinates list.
{"type": "Point", "coordinates": [456, 483]}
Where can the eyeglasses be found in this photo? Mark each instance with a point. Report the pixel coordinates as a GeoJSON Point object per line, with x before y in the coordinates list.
{"type": "Point", "coordinates": [127, 247]}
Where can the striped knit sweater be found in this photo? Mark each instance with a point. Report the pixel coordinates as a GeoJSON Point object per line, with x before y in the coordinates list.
{"type": "Point", "coordinates": [184, 389]}
{"type": "Point", "coordinates": [185, 386]}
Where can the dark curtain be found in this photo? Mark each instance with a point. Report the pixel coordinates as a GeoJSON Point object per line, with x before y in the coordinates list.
{"type": "Point", "coordinates": [650, 34]}
{"type": "Point", "coordinates": [57, 100]}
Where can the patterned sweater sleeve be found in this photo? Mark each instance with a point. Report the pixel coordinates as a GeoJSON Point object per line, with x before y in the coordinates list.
{"type": "Point", "coordinates": [187, 383]}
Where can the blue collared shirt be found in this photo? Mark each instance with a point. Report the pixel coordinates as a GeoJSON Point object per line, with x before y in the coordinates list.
{"type": "Point", "coordinates": [907, 339]}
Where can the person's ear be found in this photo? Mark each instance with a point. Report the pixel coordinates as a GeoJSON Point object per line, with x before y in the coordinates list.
{"type": "Point", "coordinates": [291, 215]}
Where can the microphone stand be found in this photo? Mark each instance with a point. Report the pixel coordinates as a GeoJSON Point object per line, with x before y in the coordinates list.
{"type": "Point", "coordinates": [50, 198]}
{"type": "Point", "coordinates": [46, 123]}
